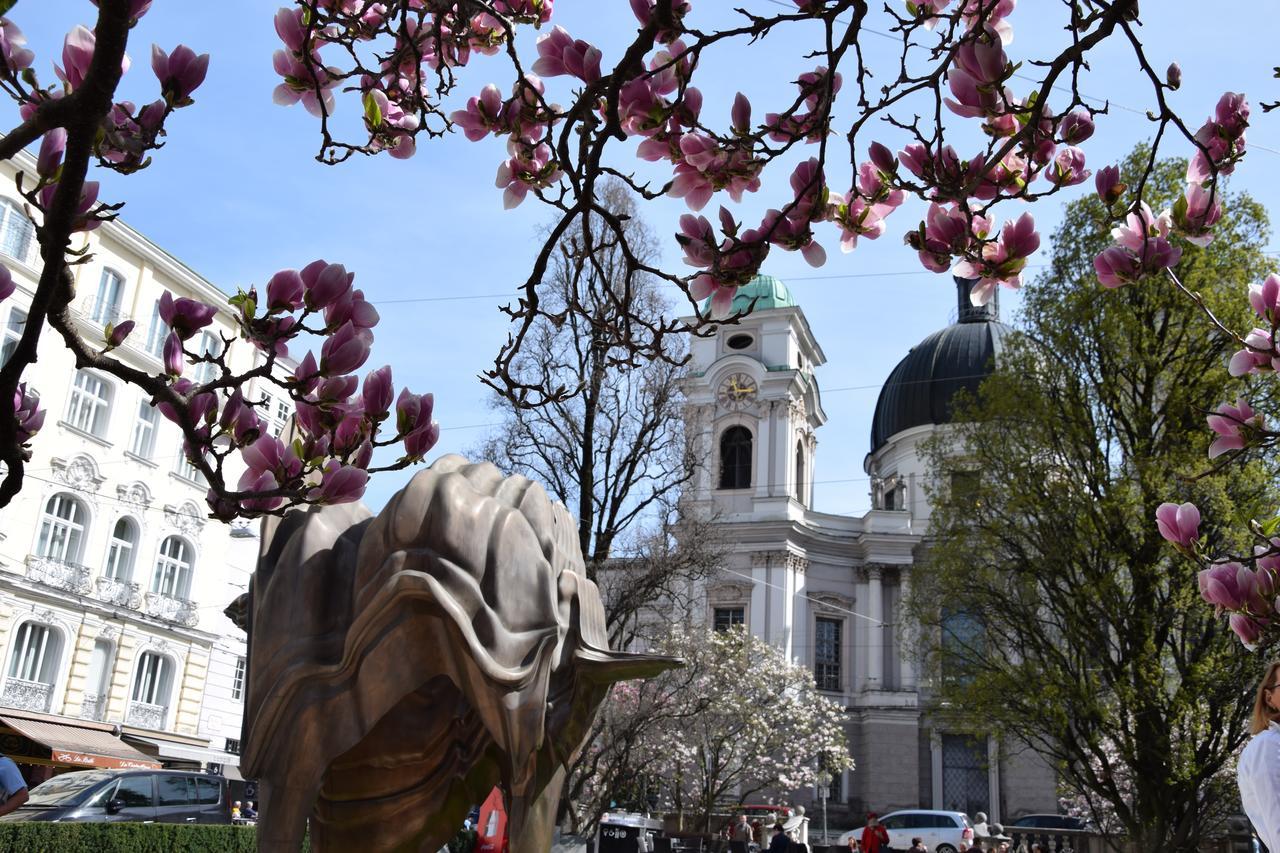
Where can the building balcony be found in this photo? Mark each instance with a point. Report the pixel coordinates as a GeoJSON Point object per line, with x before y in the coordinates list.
{"type": "Point", "coordinates": [147, 716]}
{"type": "Point", "coordinates": [170, 609]}
{"type": "Point", "coordinates": [121, 593]}
{"type": "Point", "coordinates": [26, 695]}
{"type": "Point", "coordinates": [94, 707]}
{"type": "Point", "coordinates": [59, 574]}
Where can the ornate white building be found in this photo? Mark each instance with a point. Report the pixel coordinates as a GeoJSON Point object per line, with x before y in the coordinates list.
{"type": "Point", "coordinates": [827, 588]}
{"type": "Point", "coordinates": [112, 578]}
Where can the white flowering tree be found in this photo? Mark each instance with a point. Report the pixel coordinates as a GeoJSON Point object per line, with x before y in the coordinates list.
{"type": "Point", "coordinates": [737, 720]}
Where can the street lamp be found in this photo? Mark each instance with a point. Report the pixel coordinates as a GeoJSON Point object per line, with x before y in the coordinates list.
{"type": "Point", "coordinates": [824, 789]}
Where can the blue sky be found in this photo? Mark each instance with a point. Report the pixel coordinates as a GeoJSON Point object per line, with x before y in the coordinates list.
{"type": "Point", "coordinates": [237, 194]}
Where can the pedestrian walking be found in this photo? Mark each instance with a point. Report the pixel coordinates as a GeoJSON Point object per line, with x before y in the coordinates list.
{"type": "Point", "coordinates": [741, 836]}
{"type": "Point", "coordinates": [1258, 771]}
{"type": "Point", "coordinates": [855, 844]}
{"type": "Point", "coordinates": [13, 787]}
{"type": "Point", "coordinates": [917, 846]}
{"type": "Point", "coordinates": [780, 843]}
{"type": "Point", "coordinates": [875, 837]}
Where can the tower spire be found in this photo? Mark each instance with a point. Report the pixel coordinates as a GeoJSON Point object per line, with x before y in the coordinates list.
{"type": "Point", "coordinates": [966, 311]}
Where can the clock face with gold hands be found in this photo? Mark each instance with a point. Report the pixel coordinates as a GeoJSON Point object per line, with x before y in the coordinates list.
{"type": "Point", "coordinates": [737, 391]}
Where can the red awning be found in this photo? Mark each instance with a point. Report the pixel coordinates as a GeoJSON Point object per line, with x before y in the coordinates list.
{"type": "Point", "coordinates": [79, 746]}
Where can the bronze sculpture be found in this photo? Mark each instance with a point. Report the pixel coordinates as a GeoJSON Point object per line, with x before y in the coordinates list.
{"type": "Point", "coordinates": [402, 665]}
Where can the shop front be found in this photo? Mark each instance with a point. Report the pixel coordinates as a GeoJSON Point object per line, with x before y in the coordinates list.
{"type": "Point", "coordinates": [44, 745]}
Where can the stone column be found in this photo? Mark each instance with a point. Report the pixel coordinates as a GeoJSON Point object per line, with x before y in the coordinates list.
{"type": "Point", "coordinates": [118, 703]}
{"type": "Point", "coordinates": [78, 672]}
{"type": "Point", "coordinates": [875, 617]}
{"type": "Point", "coordinates": [908, 631]}
{"type": "Point", "coordinates": [191, 697]}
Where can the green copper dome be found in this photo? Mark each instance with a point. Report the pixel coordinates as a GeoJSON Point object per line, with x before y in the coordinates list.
{"type": "Point", "coordinates": [766, 291]}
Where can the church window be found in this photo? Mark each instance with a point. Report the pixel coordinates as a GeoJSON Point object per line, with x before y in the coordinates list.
{"type": "Point", "coordinates": [735, 458]}
{"type": "Point", "coordinates": [739, 341]}
{"type": "Point", "coordinates": [800, 481]}
{"type": "Point", "coordinates": [826, 657]}
{"type": "Point", "coordinates": [728, 618]}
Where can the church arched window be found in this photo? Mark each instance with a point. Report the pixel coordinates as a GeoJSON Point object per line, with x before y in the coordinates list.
{"type": "Point", "coordinates": [800, 472]}
{"type": "Point", "coordinates": [735, 458]}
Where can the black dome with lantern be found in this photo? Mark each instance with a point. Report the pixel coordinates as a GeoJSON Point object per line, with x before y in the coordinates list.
{"type": "Point", "coordinates": [920, 388]}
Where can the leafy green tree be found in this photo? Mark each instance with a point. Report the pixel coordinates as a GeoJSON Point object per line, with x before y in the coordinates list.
{"type": "Point", "coordinates": [1048, 598]}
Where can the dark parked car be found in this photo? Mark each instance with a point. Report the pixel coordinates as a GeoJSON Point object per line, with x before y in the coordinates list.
{"type": "Point", "coordinates": [139, 796]}
{"type": "Point", "coordinates": [1048, 821]}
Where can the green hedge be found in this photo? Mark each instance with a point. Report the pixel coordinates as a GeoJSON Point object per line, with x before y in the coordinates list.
{"type": "Point", "coordinates": [125, 838]}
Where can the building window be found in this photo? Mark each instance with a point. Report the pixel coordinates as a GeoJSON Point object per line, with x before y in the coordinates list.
{"type": "Point", "coordinates": [156, 332]}
{"type": "Point", "coordinates": [963, 646]}
{"type": "Point", "coordinates": [207, 371]}
{"type": "Point", "coordinates": [90, 403]}
{"type": "Point", "coordinates": [124, 541]}
{"type": "Point", "coordinates": [13, 329]}
{"type": "Point", "coordinates": [143, 441]}
{"type": "Point", "coordinates": [36, 653]}
{"type": "Point", "coordinates": [17, 232]}
{"type": "Point", "coordinates": [735, 458]}
{"type": "Point", "coordinates": [106, 307]}
{"type": "Point", "coordinates": [185, 469]}
{"type": "Point", "coordinates": [233, 746]}
{"type": "Point", "coordinates": [966, 784]}
{"type": "Point", "coordinates": [279, 411]}
{"type": "Point", "coordinates": [173, 569]}
{"type": "Point", "coordinates": [727, 618]}
{"type": "Point", "coordinates": [237, 680]}
{"type": "Point", "coordinates": [800, 472]}
{"type": "Point", "coordinates": [62, 529]}
{"type": "Point", "coordinates": [826, 654]}
{"type": "Point", "coordinates": [739, 341]}
{"type": "Point", "coordinates": [154, 681]}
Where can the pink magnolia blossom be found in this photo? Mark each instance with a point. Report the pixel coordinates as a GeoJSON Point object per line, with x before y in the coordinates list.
{"type": "Point", "coordinates": [13, 51]}
{"type": "Point", "coordinates": [976, 13]}
{"type": "Point", "coordinates": [390, 125]}
{"type": "Point", "coordinates": [240, 420]}
{"type": "Point", "coordinates": [179, 73]}
{"type": "Point", "coordinates": [529, 11]}
{"type": "Point", "coordinates": [1229, 586]}
{"type": "Point", "coordinates": [1003, 260]}
{"type": "Point", "coordinates": [484, 115]}
{"type": "Point", "coordinates": [1222, 138]}
{"type": "Point", "coordinates": [1108, 185]}
{"type": "Point", "coordinates": [1142, 249]}
{"type": "Point", "coordinates": [77, 53]}
{"type": "Point", "coordinates": [137, 8]}
{"type": "Point", "coordinates": [530, 167]}
{"type": "Point", "coordinates": [270, 454]}
{"type": "Point", "coordinates": [353, 307]}
{"type": "Point", "coordinates": [560, 53]}
{"type": "Point", "coordinates": [976, 76]}
{"type": "Point", "coordinates": [325, 283]}
{"type": "Point", "coordinates": [1233, 425]}
{"type": "Point", "coordinates": [285, 291]}
{"type": "Point", "coordinates": [82, 221]}
{"type": "Point", "coordinates": [944, 233]}
{"type": "Point", "coordinates": [184, 316]}
{"type": "Point", "coordinates": [720, 293]}
{"type": "Point", "coordinates": [7, 285]}
{"type": "Point", "coordinates": [1196, 212]}
{"type": "Point", "coordinates": [1179, 523]}
{"type": "Point", "coordinates": [339, 484]}
{"type": "Point", "coordinates": [52, 147]}
{"type": "Point", "coordinates": [27, 412]}
{"type": "Point", "coordinates": [115, 334]}
{"type": "Point", "coordinates": [1247, 628]}
{"type": "Point", "coordinates": [644, 9]}
{"type": "Point", "coordinates": [377, 393]}
{"type": "Point", "coordinates": [345, 350]}
{"type": "Point", "coordinates": [173, 358]}
{"type": "Point", "coordinates": [1075, 127]}
{"type": "Point", "coordinates": [1264, 298]}
{"type": "Point", "coordinates": [1256, 357]}
{"type": "Point", "coordinates": [414, 423]}
{"type": "Point", "coordinates": [1068, 169]}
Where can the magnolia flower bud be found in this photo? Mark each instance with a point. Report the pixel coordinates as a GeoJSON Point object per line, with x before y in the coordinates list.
{"type": "Point", "coordinates": [1173, 76]}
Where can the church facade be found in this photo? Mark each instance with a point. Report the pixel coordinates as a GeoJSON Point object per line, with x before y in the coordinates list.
{"type": "Point", "coordinates": [828, 589]}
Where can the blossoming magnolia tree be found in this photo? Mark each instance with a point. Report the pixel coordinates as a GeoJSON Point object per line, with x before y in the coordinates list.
{"type": "Point", "coordinates": [737, 720]}
{"type": "Point", "coordinates": [567, 115]}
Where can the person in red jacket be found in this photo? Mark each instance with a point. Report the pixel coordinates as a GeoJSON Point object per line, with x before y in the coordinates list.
{"type": "Point", "coordinates": [874, 836]}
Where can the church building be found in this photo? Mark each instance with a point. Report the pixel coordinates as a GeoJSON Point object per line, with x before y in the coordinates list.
{"type": "Point", "coordinates": [826, 588]}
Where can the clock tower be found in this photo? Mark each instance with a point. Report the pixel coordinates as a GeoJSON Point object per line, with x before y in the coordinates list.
{"type": "Point", "coordinates": [754, 406]}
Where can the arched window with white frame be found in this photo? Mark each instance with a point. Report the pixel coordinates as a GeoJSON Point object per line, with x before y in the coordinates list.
{"type": "Point", "coordinates": [152, 691]}
{"type": "Point", "coordinates": [800, 482]}
{"type": "Point", "coordinates": [106, 305]}
{"type": "Point", "coordinates": [735, 458]}
{"type": "Point", "coordinates": [63, 527]}
{"type": "Point", "coordinates": [88, 407]}
{"type": "Point", "coordinates": [33, 667]}
{"type": "Point", "coordinates": [121, 550]}
{"type": "Point", "coordinates": [174, 565]}
{"type": "Point", "coordinates": [17, 232]}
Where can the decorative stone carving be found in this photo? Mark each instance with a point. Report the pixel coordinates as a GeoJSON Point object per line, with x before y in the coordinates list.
{"type": "Point", "coordinates": [26, 695]}
{"type": "Point", "coordinates": [400, 666]}
{"type": "Point", "coordinates": [185, 519]}
{"type": "Point", "coordinates": [119, 593]}
{"type": "Point", "coordinates": [108, 632]}
{"type": "Point", "coordinates": [780, 559]}
{"type": "Point", "coordinates": [797, 563]}
{"type": "Point", "coordinates": [170, 609]}
{"type": "Point", "coordinates": [722, 592]}
{"type": "Point", "coordinates": [135, 495]}
{"type": "Point", "coordinates": [59, 574]}
{"type": "Point", "coordinates": [80, 473]}
{"type": "Point", "coordinates": [830, 602]}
